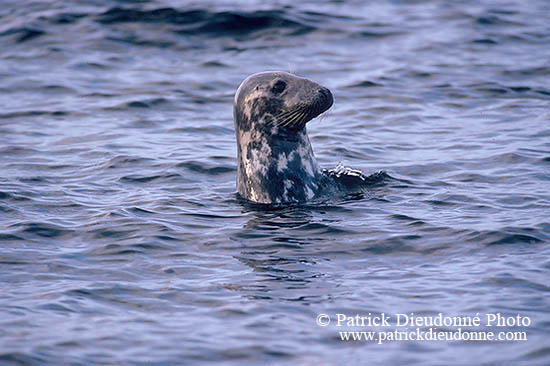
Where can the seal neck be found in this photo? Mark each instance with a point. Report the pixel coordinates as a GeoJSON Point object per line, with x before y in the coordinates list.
{"type": "Point", "coordinates": [277, 170]}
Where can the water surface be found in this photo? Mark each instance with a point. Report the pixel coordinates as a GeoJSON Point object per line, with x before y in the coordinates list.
{"type": "Point", "coordinates": [122, 240]}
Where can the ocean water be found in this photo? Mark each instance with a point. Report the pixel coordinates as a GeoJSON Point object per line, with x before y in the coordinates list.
{"type": "Point", "coordinates": [122, 241]}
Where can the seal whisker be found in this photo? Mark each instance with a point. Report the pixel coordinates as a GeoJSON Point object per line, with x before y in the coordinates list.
{"type": "Point", "coordinates": [281, 117]}
{"type": "Point", "coordinates": [297, 111]}
{"type": "Point", "coordinates": [290, 112]}
{"type": "Point", "coordinates": [288, 116]}
{"type": "Point", "coordinates": [299, 108]}
{"type": "Point", "coordinates": [290, 119]}
{"type": "Point", "coordinates": [304, 117]}
{"type": "Point", "coordinates": [295, 120]}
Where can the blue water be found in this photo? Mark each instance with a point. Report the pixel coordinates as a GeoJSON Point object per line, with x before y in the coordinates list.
{"type": "Point", "coordinates": [122, 241]}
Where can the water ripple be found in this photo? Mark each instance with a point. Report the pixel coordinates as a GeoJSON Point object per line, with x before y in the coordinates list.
{"type": "Point", "coordinates": [120, 228]}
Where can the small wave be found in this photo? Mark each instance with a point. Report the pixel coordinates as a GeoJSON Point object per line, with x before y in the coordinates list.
{"type": "Point", "coordinates": [515, 239]}
{"type": "Point", "coordinates": [41, 229]}
{"type": "Point", "coordinates": [539, 71]}
{"type": "Point", "coordinates": [493, 20]}
{"type": "Point", "coordinates": [124, 161]}
{"type": "Point", "coordinates": [379, 34]}
{"type": "Point", "coordinates": [64, 18]}
{"type": "Point", "coordinates": [19, 358]}
{"type": "Point", "coordinates": [505, 237]}
{"type": "Point", "coordinates": [389, 246]}
{"type": "Point", "coordinates": [237, 23]}
{"type": "Point", "coordinates": [23, 34]}
{"type": "Point", "coordinates": [214, 64]}
{"type": "Point", "coordinates": [543, 353]}
{"type": "Point", "coordinates": [473, 177]}
{"type": "Point", "coordinates": [147, 179]}
{"type": "Point", "coordinates": [485, 41]}
{"type": "Point", "coordinates": [520, 89]}
{"type": "Point", "coordinates": [203, 168]}
{"type": "Point", "coordinates": [202, 130]}
{"type": "Point", "coordinates": [508, 158]}
{"type": "Point", "coordinates": [411, 220]}
{"type": "Point", "coordinates": [317, 228]}
{"type": "Point", "coordinates": [12, 196]}
{"type": "Point", "coordinates": [508, 280]}
{"type": "Point", "coordinates": [9, 237]}
{"type": "Point", "coordinates": [145, 104]}
{"type": "Point", "coordinates": [364, 84]}
{"type": "Point", "coordinates": [201, 22]}
{"type": "Point", "coordinates": [136, 40]}
{"type": "Point", "coordinates": [23, 114]}
{"type": "Point", "coordinates": [164, 15]}
{"type": "Point", "coordinates": [110, 250]}
{"type": "Point", "coordinates": [17, 151]}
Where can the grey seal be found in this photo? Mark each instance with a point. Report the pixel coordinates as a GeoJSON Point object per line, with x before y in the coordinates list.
{"type": "Point", "coordinates": [275, 159]}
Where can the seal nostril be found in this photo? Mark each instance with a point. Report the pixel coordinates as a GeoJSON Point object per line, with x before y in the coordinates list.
{"type": "Point", "coordinates": [327, 96]}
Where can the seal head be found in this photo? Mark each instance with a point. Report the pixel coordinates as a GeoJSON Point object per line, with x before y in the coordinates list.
{"type": "Point", "coordinates": [275, 159]}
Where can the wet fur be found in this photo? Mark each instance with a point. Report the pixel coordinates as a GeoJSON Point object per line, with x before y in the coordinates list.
{"type": "Point", "coordinates": [275, 159]}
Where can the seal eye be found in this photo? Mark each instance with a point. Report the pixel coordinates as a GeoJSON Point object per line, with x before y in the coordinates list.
{"type": "Point", "coordinates": [278, 87]}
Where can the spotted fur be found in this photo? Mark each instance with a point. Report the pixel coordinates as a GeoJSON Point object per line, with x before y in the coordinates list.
{"type": "Point", "coordinates": [275, 159]}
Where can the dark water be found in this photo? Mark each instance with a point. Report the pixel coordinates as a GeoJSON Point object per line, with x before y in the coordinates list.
{"type": "Point", "coordinates": [122, 240]}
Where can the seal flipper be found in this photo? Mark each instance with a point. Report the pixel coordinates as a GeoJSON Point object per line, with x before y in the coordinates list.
{"type": "Point", "coordinates": [349, 182]}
